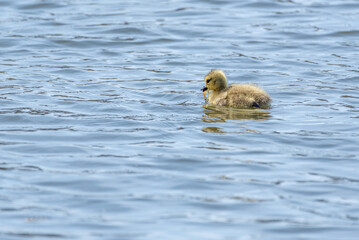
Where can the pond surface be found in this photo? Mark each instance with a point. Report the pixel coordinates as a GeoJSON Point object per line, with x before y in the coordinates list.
{"type": "Point", "coordinates": [104, 133]}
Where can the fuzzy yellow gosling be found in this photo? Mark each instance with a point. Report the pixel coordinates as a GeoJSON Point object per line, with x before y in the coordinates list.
{"type": "Point", "coordinates": [235, 95]}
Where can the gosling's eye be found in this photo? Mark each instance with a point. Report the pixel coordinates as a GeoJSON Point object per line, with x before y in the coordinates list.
{"type": "Point", "coordinates": [208, 80]}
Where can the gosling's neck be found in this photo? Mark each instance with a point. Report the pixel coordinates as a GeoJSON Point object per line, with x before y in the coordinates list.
{"type": "Point", "coordinates": [214, 95]}
{"type": "Point", "coordinates": [220, 89]}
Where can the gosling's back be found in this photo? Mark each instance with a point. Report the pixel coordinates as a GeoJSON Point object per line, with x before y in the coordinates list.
{"type": "Point", "coordinates": [247, 96]}
{"type": "Point", "coordinates": [241, 96]}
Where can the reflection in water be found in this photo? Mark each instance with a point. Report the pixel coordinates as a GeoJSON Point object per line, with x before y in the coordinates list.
{"type": "Point", "coordinates": [221, 114]}
{"type": "Point", "coordinates": [213, 114]}
{"type": "Point", "coordinates": [213, 130]}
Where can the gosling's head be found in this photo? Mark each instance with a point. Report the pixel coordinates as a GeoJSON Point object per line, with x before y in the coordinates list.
{"type": "Point", "coordinates": [215, 80]}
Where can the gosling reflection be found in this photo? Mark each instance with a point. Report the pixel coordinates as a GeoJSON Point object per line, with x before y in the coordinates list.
{"type": "Point", "coordinates": [212, 130]}
{"type": "Point", "coordinates": [221, 114]}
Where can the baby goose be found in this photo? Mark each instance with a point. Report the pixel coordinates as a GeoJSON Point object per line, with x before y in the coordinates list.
{"type": "Point", "coordinates": [236, 95]}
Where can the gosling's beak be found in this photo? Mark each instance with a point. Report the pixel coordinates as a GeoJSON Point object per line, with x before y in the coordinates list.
{"type": "Point", "coordinates": [204, 89]}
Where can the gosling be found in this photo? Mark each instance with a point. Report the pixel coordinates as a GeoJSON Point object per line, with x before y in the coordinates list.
{"type": "Point", "coordinates": [236, 95]}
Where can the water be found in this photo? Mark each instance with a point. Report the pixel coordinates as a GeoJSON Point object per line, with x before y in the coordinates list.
{"type": "Point", "coordinates": [104, 134]}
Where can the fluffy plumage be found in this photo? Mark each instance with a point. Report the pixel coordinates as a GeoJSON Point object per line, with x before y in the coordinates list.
{"type": "Point", "coordinates": [236, 95]}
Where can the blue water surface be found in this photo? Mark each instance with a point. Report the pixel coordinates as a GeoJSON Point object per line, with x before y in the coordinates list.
{"type": "Point", "coordinates": [104, 133]}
